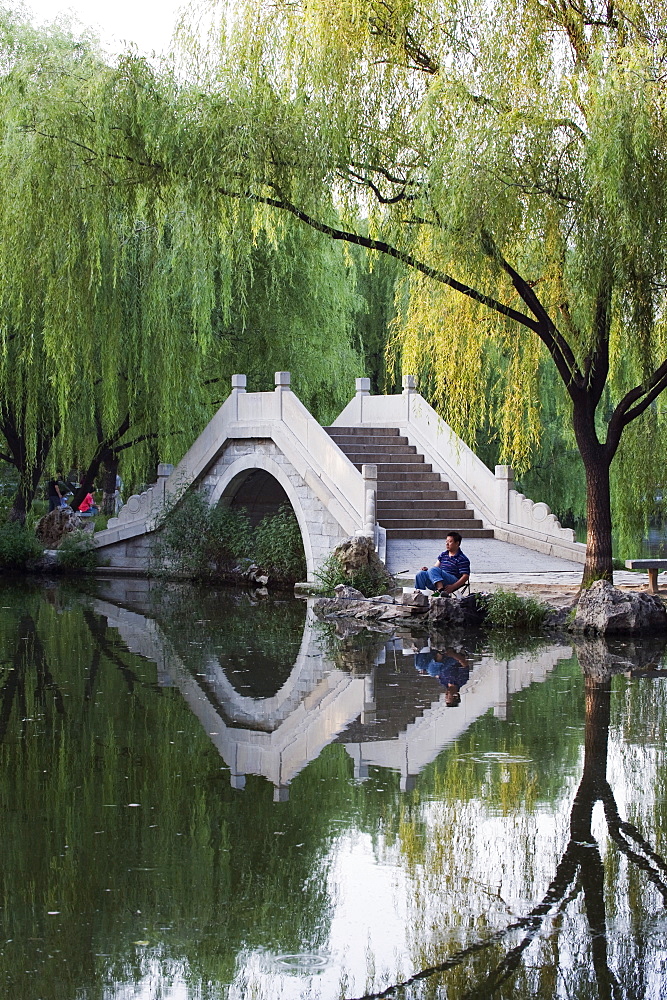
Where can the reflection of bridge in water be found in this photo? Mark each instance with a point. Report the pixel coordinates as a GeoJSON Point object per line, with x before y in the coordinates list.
{"type": "Point", "coordinates": [387, 716]}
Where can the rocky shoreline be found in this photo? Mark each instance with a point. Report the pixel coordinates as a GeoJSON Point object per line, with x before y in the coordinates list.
{"type": "Point", "coordinates": [601, 610]}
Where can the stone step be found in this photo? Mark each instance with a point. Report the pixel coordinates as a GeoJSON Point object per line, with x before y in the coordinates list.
{"type": "Point", "coordinates": [465, 529]}
{"type": "Point", "coordinates": [428, 493]}
{"type": "Point", "coordinates": [362, 431]}
{"type": "Point", "coordinates": [388, 452]}
{"type": "Point", "coordinates": [421, 508]}
{"type": "Point", "coordinates": [411, 474]}
{"type": "Point", "coordinates": [387, 459]}
{"type": "Point", "coordinates": [464, 517]}
{"type": "Point", "coordinates": [363, 441]}
{"type": "Point", "coordinates": [416, 469]}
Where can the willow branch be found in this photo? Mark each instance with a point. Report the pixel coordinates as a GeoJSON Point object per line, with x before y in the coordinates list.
{"type": "Point", "coordinates": [546, 330]}
{"type": "Point", "coordinates": [626, 412]}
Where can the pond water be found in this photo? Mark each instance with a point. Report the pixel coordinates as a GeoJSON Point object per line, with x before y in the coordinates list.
{"type": "Point", "coordinates": [206, 795]}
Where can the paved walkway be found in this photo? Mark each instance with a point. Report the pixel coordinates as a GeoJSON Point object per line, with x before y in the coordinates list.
{"type": "Point", "coordinates": [499, 564]}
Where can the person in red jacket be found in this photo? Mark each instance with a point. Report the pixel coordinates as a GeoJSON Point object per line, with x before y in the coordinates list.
{"type": "Point", "coordinates": [87, 505]}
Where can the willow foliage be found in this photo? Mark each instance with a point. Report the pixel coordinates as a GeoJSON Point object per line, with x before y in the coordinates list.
{"type": "Point", "coordinates": [514, 155]}
{"type": "Point", "coordinates": [125, 299]}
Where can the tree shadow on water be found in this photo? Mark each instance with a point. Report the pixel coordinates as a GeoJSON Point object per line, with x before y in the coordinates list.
{"type": "Point", "coordinates": [580, 869]}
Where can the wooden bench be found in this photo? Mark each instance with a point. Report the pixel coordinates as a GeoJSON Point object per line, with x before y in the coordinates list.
{"type": "Point", "coordinates": [652, 567]}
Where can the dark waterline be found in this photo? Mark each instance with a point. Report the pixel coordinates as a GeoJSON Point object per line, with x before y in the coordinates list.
{"type": "Point", "coordinates": [204, 795]}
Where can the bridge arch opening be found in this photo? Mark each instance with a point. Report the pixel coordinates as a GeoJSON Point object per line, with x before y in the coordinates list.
{"type": "Point", "coordinates": [258, 492]}
{"type": "Point", "coordinates": [240, 471]}
{"type": "Point", "coordinates": [260, 495]}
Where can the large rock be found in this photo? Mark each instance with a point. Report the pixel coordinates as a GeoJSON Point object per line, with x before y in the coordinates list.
{"type": "Point", "coordinates": [415, 599]}
{"type": "Point", "coordinates": [52, 528]}
{"type": "Point", "coordinates": [604, 610]}
{"type": "Point", "coordinates": [458, 612]}
{"type": "Point", "coordinates": [358, 556]}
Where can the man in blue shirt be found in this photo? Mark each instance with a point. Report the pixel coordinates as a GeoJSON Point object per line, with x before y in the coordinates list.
{"type": "Point", "coordinates": [450, 573]}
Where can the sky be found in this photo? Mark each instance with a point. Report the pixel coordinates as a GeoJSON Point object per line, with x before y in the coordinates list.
{"type": "Point", "coordinates": [147, 23]}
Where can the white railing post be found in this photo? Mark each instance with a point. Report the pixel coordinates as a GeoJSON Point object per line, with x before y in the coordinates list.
{"type": "Point", "coordinates": [363, 388]}
{"type": "Point", "coordinates": [164, 470]}
{"type": "Point", "coordinates": [504, 483]}
{"type": "Point", "coordinates": [283, 380]}
{"type": "Point", "coordinates": [370, 476]}
{"type": "Point", "coordinates": [409, 390]}
{"type": "Point", "coordinates": [239, 383]}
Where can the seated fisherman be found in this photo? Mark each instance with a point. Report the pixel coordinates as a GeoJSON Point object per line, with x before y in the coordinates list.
{"type": "Point", "coordinates": [450, 573]}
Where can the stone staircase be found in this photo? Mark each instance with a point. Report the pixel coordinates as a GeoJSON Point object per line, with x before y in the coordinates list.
{"type": "Point", "coordinates": [412, 501]}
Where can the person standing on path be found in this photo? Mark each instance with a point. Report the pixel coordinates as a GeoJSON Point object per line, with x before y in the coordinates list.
{"type": "Point", "coordinates": [54, 495]}
{"type": "Point", "coordinates": [451, 571]}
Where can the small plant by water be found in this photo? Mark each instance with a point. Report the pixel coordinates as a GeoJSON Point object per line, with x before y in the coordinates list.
{"type": "Point", "coordinates": [77, 551]}
{"type": "Point", "coordinates": [369, 580]}
{"type": "Point", "coordinates": [507, 610]}
{"type": "Point", "coordinates": [18, 545]}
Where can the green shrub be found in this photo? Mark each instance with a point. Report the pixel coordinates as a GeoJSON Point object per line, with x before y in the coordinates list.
{"type": "Point", "coordinates": [77, 551]}
{"type": "Point", "coordinates": [181, 543]}
{"type": "Point", "coordinates": [18, 546]}
{"type": "Point", "coordinates": [229, 535]}
{"type": "Point", "coordinates": [202, 541]}
{"type": "Point", "coordinates": [508, 610]}
{"type": "Point", "coordinates": [278, 546]}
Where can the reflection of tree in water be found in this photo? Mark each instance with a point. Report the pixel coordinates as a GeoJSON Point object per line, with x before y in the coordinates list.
{"type": "Point", "coordinates": [198, 870]}
{"type": "Point", "coordinates": [580, 870]}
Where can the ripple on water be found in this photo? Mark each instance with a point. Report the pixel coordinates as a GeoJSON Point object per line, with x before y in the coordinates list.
{"type": "Point", "coordinates": [302, 962]}
{"type": "Point", "coordinates": [498, 756]}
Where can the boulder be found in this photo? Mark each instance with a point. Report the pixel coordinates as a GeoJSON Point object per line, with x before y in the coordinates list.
{"type": "Point", "coordinates": [344, 593]}
{"type": "Point", "coordinates": [415, 599]}
{"type": "Point", "coordinates": [52, 528]}
{"type": "Point", "coordinates": [458, 612]}
{"type": "Point", "coordinates": [604, 610]}
{"type": "Point", "coordinates": [358, 556]}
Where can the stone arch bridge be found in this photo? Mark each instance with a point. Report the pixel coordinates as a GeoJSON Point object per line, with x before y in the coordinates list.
{"type": "Point", "coordinates": [388, 468]}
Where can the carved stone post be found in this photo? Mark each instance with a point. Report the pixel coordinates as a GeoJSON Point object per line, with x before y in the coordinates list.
{"type": "Point", "coordinates": [164, 470]}
{"type": "Point", "coordinates": [409, 390]}
{"type": "Point", "coordinates": [363, 388]}
{"type": "Point", "coordinates": [283, 380]}
{"type": "Point", "coordinates": [504, 483]}
{"type": "Point", "coordinates": [370, 475]}
{"type": "Point", "coordinates": [239, 383]}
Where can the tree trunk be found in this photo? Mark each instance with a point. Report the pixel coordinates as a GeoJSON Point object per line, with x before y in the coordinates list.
{"type": "Point", "coordinates": [109, 483]}
{"type": "Point", "coordinates": [599, 565]}
{"type": "Point", "coordinates": [597, 459]}
{"type": "Point", "coordinates": [104, 453]}
{"type": "Point", "coordinates": [30, 471]}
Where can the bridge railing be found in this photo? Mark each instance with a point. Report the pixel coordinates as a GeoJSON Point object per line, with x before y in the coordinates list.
{"type": "Point", "coordinates": [347, 494]}
{"type": "Point", "coordinates": [513, 516]}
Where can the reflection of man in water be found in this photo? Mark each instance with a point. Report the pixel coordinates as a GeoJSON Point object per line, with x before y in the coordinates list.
{"type": "Point", "coordinates": [449, 667]}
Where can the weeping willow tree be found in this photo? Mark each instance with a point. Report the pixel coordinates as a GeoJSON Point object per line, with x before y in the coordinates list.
{"type": "Point", "coordinates": [124, 302]}
{"type": "Point", "coordinates": [512, 156]}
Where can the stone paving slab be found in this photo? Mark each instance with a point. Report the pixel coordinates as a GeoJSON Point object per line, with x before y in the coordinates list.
{"type": "Point", "coordinates": [501, 564]}
{"type": "Point", "coordinates": [487, 555]}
